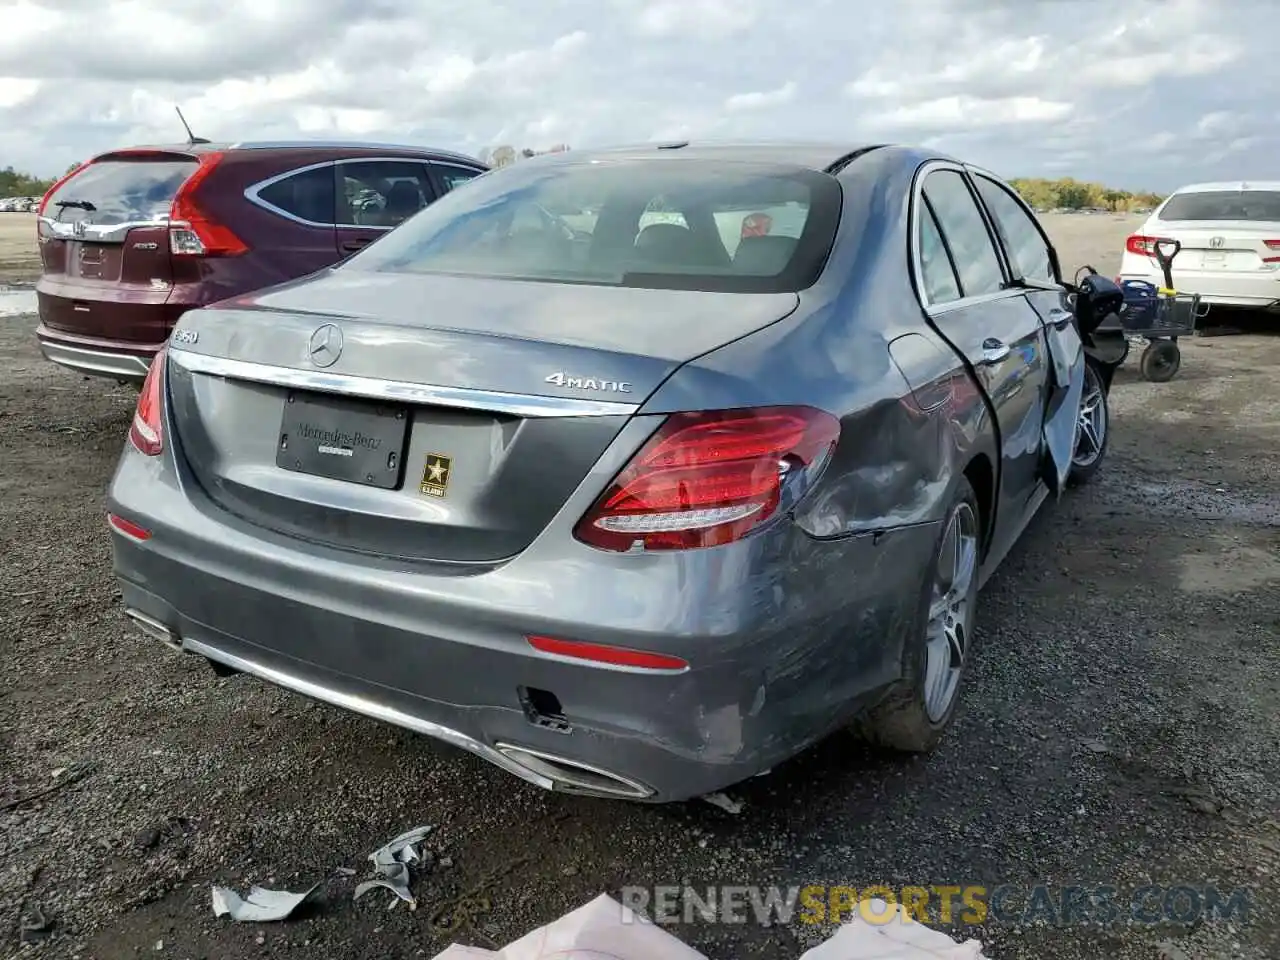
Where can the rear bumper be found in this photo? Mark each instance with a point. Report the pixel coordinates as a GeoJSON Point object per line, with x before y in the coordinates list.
{"type": "Point", "coordinates": [98, 358]}
{"type": "Point", "coordinates": [786, 638]}
{"type": "Point", "coordinates": [1222, 289]}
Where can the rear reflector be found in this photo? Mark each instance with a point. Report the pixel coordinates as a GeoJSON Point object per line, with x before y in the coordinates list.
{"type": "Point", "coordinates": [612, 656]}
{"type": "Point", "coordinates": [147, 431]}
{"type": "Point", "coordinates": [128, 528]}
{"type": "Point", "coordinates": [707, 479]}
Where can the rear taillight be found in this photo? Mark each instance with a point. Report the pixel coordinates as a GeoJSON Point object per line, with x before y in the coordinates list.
{"type": "Point", "coordinates": [147, 431]}
{"type": "Point", "coordinates": [192, 231]}
{"type": "Point", "coordinates": [1140, 245]}
{"type": "Point", "coordinates": [706, 479]}
{"type": "Point", "coordinates": [1272, 245]}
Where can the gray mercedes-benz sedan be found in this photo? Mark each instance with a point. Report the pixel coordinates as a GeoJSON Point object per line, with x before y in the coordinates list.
{"type": "Point", "coordinates": [634, 472]}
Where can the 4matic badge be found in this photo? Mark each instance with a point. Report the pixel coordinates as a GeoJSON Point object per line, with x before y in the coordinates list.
{"type": "Point", "coordinates": [560, 379]}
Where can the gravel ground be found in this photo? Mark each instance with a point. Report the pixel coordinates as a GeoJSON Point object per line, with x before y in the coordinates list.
{"type": "Point", "coordinates": [1120, 725]}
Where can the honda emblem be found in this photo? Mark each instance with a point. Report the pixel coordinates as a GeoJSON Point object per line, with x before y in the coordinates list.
{"type": "Point", "coordinates": [1217, 242]}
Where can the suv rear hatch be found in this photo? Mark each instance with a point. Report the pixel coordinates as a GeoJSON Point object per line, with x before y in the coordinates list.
{"type": "Point", "coordinates": [105, 246]}
{"type": "Point", "coordinates": [458, 459]}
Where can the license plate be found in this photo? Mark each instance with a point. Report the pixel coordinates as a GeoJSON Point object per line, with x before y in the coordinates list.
{"type": "Point", "coordinates": [357, 441]}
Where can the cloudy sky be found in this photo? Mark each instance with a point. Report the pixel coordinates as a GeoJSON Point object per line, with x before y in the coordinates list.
{"type": "Point", "coordinates": [1147, 94]}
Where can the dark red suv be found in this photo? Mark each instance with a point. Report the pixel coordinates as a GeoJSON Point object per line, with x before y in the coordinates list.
{"type": "Point", "coordinates": [133, 238]}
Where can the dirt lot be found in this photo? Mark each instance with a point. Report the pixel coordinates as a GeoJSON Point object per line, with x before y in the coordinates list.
{"type": "Point", "coordinates": [1120, 726]}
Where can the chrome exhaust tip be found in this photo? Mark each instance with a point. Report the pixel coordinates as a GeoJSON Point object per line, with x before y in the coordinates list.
{"type": "Point", "coordinates": [154, 629]}
{"type": "Point", "coordinates": [571, 776]}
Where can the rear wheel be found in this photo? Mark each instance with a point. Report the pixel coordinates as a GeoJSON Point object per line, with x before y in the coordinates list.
{"type": "Point", "coordinates": [1093, 427]}
{"type": "Point", "coordinates": [1161, 360]}
{"type": "Point", "coordinates": [913, 717]}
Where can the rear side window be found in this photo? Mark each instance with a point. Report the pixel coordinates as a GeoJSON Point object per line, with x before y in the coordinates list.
{"type": "Point", "coordinates": [450, 177]}
{"type": "Point", "coordinates": [662, 223]}
{"type": "Point", "coordinates": [1255, 205]}
{"type": "Point", "coordinates": [306, 195]}
{"type": "Point", "coordinates": [1018, 232]}
{"type": "Point", "coordinates": [110, 192]}
{"type": "Point", "coordinates": [382, 193]}
{"type": "Point", "coordinates": [940, 284]}
{"type": "Point", "coordinates": [966, 233]}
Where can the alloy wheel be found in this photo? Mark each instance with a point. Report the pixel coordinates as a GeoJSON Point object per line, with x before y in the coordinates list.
{"type": "Point", "coordinates": [950, 612]}
{"type": "Point", "coordinates": [1091, 424]}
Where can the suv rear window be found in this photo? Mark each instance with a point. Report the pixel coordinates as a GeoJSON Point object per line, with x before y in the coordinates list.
{"type": "Point", "coordinates": [1256, 205]}
{"type": "Point", "coordinates": [121, 191]}
{"type": "Point", "coordinates": [668, 223]}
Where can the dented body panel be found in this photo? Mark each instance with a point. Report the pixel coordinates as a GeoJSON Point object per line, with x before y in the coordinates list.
{"type": "Point", "coordinates": [422, 620]}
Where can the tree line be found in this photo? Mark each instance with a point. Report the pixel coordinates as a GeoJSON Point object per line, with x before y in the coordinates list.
{"type": "Point", "coordinates": [1071, 194]}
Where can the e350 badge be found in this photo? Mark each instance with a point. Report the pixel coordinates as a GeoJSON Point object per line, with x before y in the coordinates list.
{"type": "Point", "coordinates": [435, 475]}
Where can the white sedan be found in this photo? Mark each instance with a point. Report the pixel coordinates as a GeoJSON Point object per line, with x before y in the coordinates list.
{"type": "Point", "coordinates": [1230, 237]}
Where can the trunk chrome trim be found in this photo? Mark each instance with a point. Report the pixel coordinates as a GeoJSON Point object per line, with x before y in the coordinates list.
{"type": "Point", "coordinates": [94, 232]}
{"type": "Point", "coordinates": [466, 398]}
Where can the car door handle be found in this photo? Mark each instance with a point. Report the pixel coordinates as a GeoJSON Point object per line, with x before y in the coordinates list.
{"type": "Point", "coordinates": [993, 350]}
{"type": "Point", "coordinates": [1060, 318]}
{"type": "Point", "coordinates": [351, 246]}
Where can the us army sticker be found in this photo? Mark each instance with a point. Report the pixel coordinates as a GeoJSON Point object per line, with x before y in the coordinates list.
{"type": "Point", "coordinates": [435, 475]}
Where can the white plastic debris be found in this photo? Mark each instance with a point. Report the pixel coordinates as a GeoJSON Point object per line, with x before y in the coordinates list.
{"type": "Point", "coordinates": [724, 802]}
{"type": "Point", "coordinates": [893, 935]}
{"type": "Point", "coordinates": [260, 906]}
{"type": "Point", "coordinates": [601, 928]}
{"type": "Point", "coordinates": [606, 928]}
{"type": "Point", "coordinates": [390, 866]}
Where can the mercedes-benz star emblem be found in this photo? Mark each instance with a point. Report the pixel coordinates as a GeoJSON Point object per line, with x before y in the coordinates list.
{"type": "Point", "coordinates": [325, 346]}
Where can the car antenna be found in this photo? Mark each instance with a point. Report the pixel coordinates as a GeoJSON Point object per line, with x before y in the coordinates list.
{"type": "Point", "coordinates": [191, 137]}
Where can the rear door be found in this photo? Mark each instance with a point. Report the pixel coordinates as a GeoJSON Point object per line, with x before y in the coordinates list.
{"type": "Point", "coordinates": [1031, 263]}
{"type": "Point", "coordinates": [104, 246]}
{"type": "Point", "coordinates": [299, 237]}
{"type": "Point", "coordinates": [374, 196]}
{"type": "Point", "coordinates": [972, 304]}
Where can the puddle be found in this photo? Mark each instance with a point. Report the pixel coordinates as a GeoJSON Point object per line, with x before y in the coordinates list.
{"type": "Point", "coordinates": [1236, 569]}
{"type": "Point", "coordinates": [14, 303]}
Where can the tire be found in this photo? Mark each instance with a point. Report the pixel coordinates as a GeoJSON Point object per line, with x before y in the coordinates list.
{"type": "Point", "coordinates": [1161, 361]}
{"type": "Point", "coordinates": [909, 719]}
{"type": "Point", "coordinates": [1091, 444]}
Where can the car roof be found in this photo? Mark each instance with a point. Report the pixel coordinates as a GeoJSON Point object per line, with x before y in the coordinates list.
{"type": "Point", "coordinates": [1243, 186]}
{"type": "Point", "coordinates": [815, 155]}
{"type": "Point", "coordinates": [320, 146]}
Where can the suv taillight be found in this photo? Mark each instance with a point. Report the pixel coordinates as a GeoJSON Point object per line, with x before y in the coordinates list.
{"type": "Point", "coordinates": [707, 479]}
{"type": "Point", "coordinates": [192, 232]}
{"type": "Point", "coordinates": [147, 431]}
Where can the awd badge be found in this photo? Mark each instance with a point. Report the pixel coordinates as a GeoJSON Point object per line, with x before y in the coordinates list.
{"type": "Point", "coordinates": [435, 475]}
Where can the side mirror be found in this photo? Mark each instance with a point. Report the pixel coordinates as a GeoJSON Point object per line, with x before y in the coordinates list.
{"type": "Point", "coordinates": [1098, 297]}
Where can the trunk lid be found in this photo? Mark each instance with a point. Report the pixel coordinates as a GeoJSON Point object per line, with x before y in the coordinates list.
{"type": "Point", "coordinates": [104, 241]}
{"type": "Point", "coordinates": [445, 418]}
{"type": "Point", "coordinates": [1226, 247]}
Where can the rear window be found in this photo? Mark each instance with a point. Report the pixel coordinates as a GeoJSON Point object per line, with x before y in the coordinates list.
{"type": "Point", "coordinates": [1259, 205]}
{"type": "Point", "coordinates": [120, 191]}
{"type": "Point", "coordinates": [669, 223]}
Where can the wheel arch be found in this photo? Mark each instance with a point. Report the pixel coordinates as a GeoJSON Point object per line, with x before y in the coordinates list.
{"type": "Point", "coordinates": [981, 474]}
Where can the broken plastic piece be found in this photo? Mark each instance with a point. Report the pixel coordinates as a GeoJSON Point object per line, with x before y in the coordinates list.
{"type": "Point", "coordinates": [724, 802]}
{"type": "Point", "coordinates": [260, 906]}
{"type": "Point", "coordinates": [390, 866]}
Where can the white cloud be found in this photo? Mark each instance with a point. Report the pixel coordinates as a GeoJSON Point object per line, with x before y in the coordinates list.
{"type": "Point", "coordinates": [1159, 94]}
{"type": "Point", "coordinates": [763, 100]}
